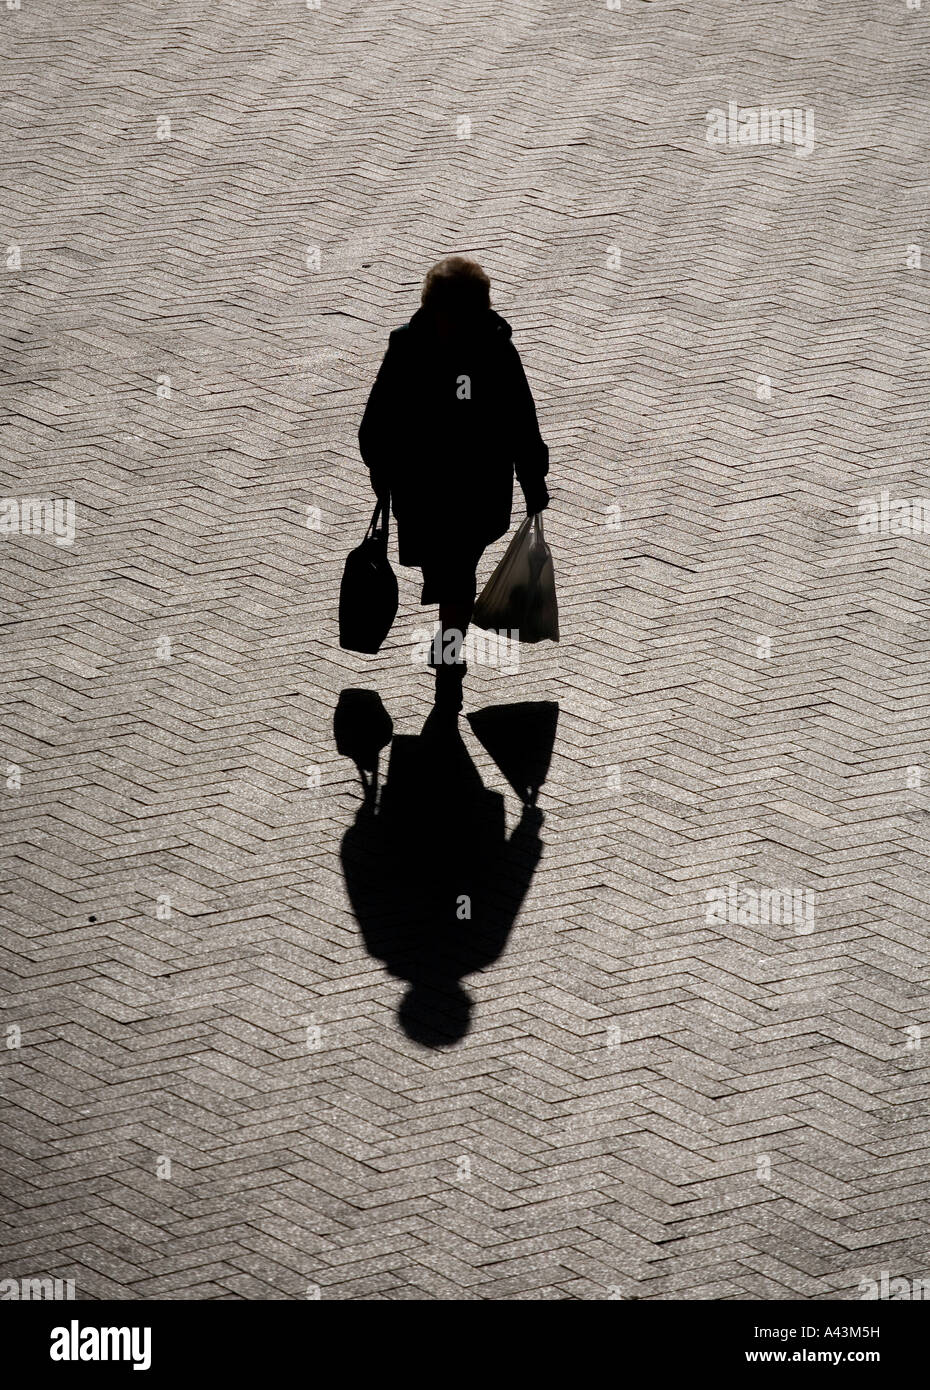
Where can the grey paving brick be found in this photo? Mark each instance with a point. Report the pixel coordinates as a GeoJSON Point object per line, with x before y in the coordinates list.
{"type": "Point", "coordinates": [728, 350]}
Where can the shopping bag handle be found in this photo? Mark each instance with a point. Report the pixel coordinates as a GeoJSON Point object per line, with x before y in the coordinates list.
{"type": "Point", "coordinates": [383, 509]}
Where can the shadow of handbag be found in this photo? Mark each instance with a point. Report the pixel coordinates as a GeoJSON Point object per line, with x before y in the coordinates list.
{"type": "Point", "coordinates": [368, 593]}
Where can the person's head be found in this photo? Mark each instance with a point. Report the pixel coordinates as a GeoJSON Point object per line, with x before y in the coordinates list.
{"type": "Point", "coordinates": [456, 292]}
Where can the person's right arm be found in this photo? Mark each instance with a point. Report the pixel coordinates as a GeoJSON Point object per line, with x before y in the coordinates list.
{"type": "Point", "coordinates": [377, 435]}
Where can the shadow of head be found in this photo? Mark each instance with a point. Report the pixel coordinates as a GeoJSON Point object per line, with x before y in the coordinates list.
{"type": "Point", "coordinates": [435, 1014]}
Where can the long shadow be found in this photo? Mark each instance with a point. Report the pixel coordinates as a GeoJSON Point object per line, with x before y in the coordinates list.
{"type": "Point", "coordinates": [434, 880]}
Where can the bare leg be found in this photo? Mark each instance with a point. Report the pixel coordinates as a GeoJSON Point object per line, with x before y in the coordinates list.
{"type": "Point", "coordinates": [453, 622]}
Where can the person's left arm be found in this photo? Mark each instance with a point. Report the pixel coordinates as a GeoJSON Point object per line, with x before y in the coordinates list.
{"type": "Point", "coordinates": [531, 453]}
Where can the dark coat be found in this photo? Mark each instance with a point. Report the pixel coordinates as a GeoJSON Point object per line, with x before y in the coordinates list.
{"type": "Point", "coordinates": [445, 428]}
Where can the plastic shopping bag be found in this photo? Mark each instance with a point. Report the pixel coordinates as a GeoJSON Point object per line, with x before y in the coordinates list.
{"type": "Point", "coordinates": [520, 595]}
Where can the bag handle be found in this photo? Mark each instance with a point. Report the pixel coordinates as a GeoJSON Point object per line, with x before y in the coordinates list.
{"type": "Point", "coordinates": [382, 509]}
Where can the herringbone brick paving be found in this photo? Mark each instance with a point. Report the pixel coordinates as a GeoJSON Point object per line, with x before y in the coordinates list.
{"type": "Point", "coordinates": [651, 1104]}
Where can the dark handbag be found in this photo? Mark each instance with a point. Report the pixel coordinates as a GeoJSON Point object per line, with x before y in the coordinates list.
{"type": "Point", "coordinates": [368, 593]}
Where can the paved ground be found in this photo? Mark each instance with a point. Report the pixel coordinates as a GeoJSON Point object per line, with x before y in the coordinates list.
{"type": "Point", "coordinates": [219, 1089]}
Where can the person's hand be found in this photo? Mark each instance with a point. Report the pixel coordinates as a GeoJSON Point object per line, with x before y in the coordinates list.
{"type": "Point", "coordinates": [537, 497]}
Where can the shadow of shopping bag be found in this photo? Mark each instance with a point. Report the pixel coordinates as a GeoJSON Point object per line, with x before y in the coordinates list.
{"type": "Point", "coordinates": [520, 595]}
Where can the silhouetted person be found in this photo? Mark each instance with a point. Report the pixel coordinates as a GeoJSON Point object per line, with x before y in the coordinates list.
{"type": "Point", "coordinates": [434, 880]}
{"type": "Point", "coordinates": [449, 421]}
